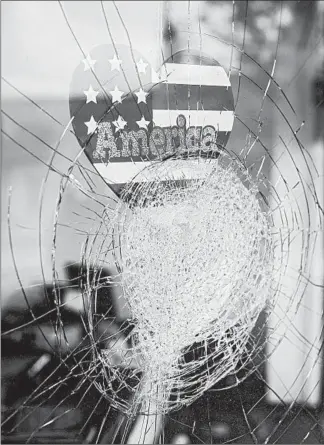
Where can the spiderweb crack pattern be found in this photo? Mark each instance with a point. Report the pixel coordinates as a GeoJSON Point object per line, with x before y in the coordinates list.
{"type": "Point", "coordinates": [196, 263]}
{"type": "Point", "coordinates": [250, 210]}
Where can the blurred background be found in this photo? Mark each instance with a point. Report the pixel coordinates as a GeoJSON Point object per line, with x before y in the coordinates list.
{"type": "Point", "coordinates": [283, 401]}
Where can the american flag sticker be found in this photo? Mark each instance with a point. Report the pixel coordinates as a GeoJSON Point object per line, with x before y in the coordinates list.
{"type": "Point", "coordinates": [127, 116]}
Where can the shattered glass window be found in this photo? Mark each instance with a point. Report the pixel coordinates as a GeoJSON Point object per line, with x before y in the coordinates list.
{"type": "Point", "coordinates": [162, 222]}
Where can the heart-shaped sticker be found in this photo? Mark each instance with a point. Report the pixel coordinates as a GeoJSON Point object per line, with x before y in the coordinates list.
{"type": "Point", "coordinates": [127, 116]}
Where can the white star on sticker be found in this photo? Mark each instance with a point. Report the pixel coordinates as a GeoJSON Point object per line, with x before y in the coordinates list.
{"type": "Point", "coordinates": [141, 96]}
{"type": "Point", "coordinates": [155, 77]}
{"type": "Point", "coordinates": [116, 94]}
{"type": "Point", "coordinates": [92, 125]}
{"type": "Point", "coordinates": [115, 63]}
{"type": "Point", "coordinates": [120, 123]}
{"type": "Point", "coordinates": [88, 63]}
{"type": "Point", "coordinates": [142, 66]}
{"type": "Point", "coordinates": [143, 123]}
{"type": "Point", "coordinates": [91, 95]}
{"type": "Point", "coordinates": [158, 77]}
